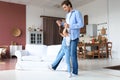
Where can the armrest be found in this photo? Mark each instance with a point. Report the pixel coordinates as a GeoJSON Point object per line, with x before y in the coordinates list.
{"type": "Point", "coordinates": [20, 53]}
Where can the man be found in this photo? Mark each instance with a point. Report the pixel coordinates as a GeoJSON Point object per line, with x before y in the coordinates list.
{"type": "Point", "coordinates": [74, 22]}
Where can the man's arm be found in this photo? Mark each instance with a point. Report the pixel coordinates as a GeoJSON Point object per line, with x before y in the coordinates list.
{"type": "Point", "coordinates": [78, 21]}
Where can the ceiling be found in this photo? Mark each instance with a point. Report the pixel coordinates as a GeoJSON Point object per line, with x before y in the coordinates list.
{"type": "Point", "coordinates": [49, 3]}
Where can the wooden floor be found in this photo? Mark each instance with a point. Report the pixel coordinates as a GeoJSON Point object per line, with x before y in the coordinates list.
{"type": "Point", "coordinates": [7, 64]}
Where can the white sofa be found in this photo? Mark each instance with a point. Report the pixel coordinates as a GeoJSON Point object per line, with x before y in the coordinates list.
{"type": "Point", "coordinates": [37, 57]}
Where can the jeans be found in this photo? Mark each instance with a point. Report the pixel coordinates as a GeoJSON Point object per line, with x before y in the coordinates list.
{"type": "Point", "coordinates": [58, 59]}
{"type": "Point", "coordinates": [73, 52]}
{"type": "Point", "coordinates": [67, 57]}
{"type": "Point", "coordinates": [63, 51]}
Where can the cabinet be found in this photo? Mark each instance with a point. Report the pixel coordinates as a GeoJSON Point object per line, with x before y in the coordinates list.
{"type": "Point", "coordinates": [51, 34]}
{"type": "Point", "coordinates": [14, 48]}
{"type": "Point", "coordinates": [83, 30]}
{"type": "Point", "coordinates": [91, 30]}
{"type": "Point", "coordinates": [36, 37]}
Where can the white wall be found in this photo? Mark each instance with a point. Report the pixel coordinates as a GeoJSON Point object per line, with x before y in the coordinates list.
{"type": "Point", "coordinates": [114, 25]}
{"type": "Point", "coordinates": [96, 11]}
{"type": "Point", "coordinates": [97, 14]}
{"type": "Point", "coordinates": [33, 19]}
{"type": "Point", "coordinates": [101, 11]}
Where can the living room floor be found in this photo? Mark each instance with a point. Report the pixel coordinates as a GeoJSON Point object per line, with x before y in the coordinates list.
{"type": "Point", "coordinates": [8, 64]}
{"type": "Point", "coordinates": [89, 69]}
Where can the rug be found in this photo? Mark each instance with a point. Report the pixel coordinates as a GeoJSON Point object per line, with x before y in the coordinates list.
{"type": "Point", "coordinates": [117, 67]}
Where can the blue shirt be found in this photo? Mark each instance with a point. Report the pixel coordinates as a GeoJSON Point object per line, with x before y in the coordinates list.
{"type": "Point", "coordinates": [75, 23]}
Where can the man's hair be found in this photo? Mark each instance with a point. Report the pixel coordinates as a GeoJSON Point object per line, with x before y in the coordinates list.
{"type": "Point", "coordinates": [66, 2]}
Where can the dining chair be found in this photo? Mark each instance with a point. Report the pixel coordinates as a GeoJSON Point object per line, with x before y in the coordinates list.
{"type": "Point", "coordinates": [3, 51]}
{"type": "Point", "coordinates": [103, 50]}
{"type": "Point", "coordinates": [109, 48]}
{"type": "Point", "coordinates": [80, 50]}
{"type": "Point", "coordinates": [86, 52]}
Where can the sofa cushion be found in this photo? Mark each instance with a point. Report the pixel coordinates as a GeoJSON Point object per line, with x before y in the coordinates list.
{"type": "Point", "coordinates": [52, 51]}
{"type": "Point", "coordinates": [31, 58]}
{"type": "Point", "coordinates": [36, 50]}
